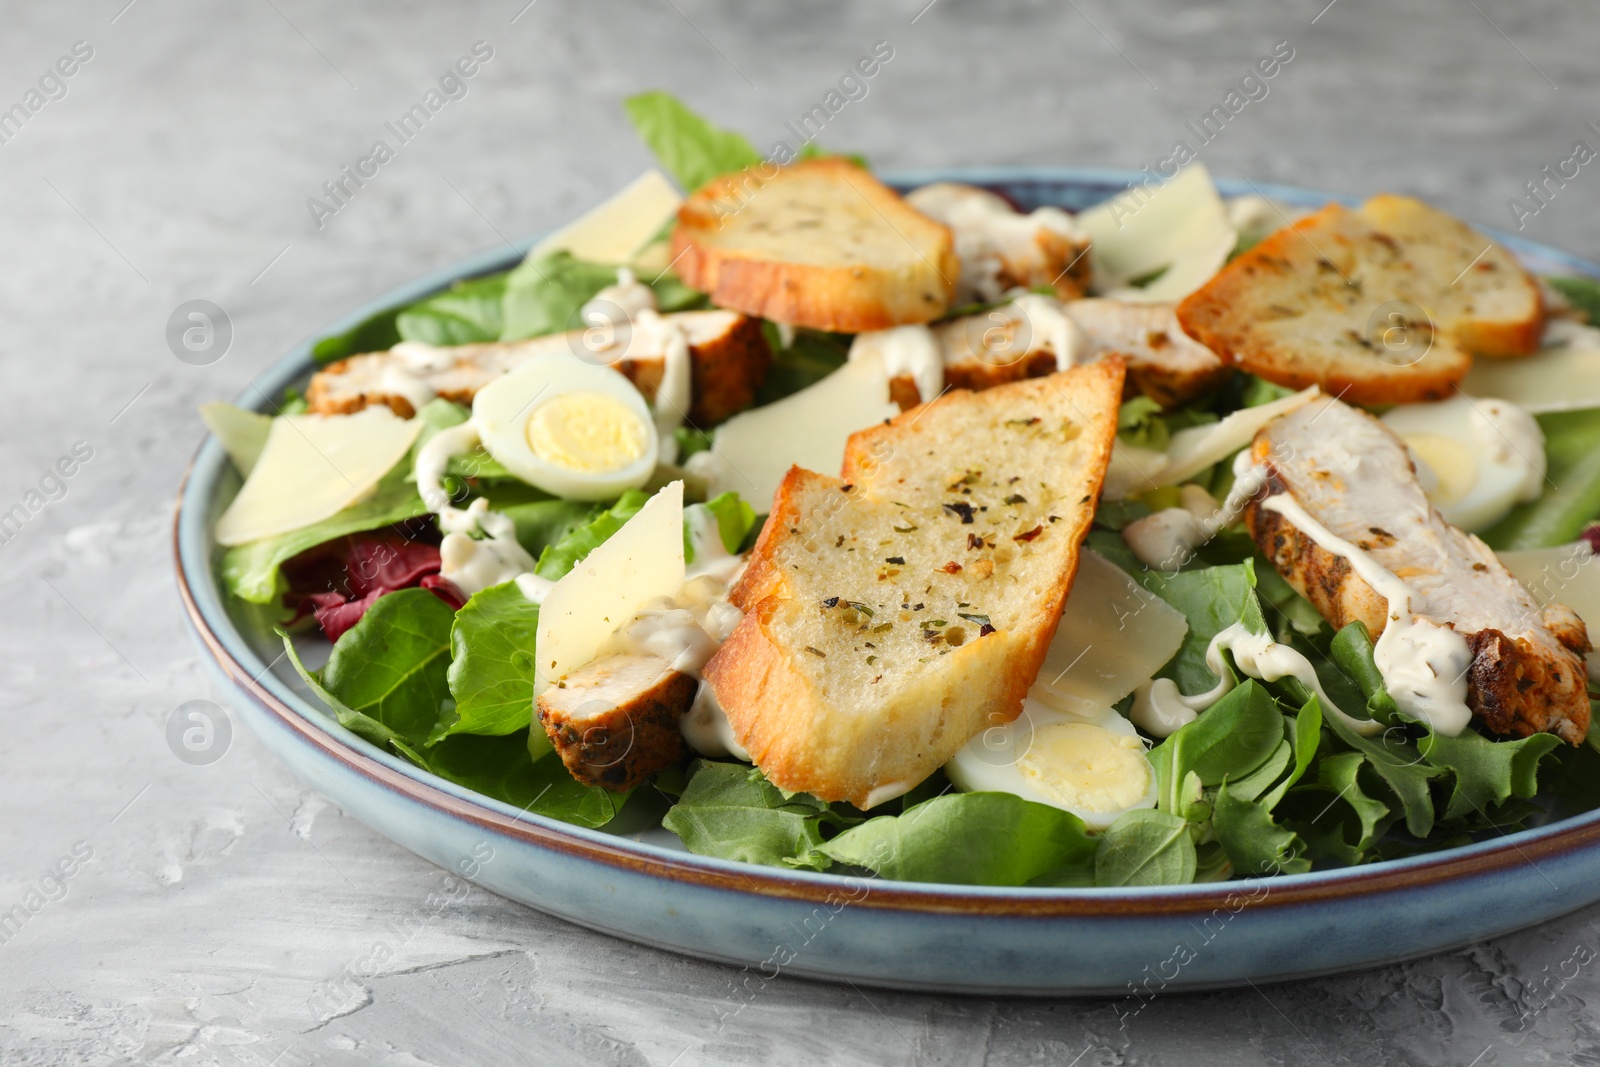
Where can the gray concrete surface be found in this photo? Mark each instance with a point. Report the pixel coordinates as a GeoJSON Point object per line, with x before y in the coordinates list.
{"type": "Point", "coordinates": [215, 899]}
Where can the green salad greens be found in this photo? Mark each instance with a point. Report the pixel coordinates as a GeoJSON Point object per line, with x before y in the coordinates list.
{"type": "Point", "coordinates": [1266, 781]}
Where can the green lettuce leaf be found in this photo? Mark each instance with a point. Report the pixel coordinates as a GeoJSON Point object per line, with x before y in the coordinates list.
{"type": "Point", "coordinates": [499, 767]}
{"type": "Point", "coordinates": [1229, 740]}
{"type": "Point", "coordinates": [491, 666]}
{"type": "Point", "coordinates": [557, 559]}
{"type": "Point", "coordinates": [1145, 848]}
{"type": "Point", "coordinates": [811, 358]}
{"type": "Point", "coordinates": [1212, 599]}
{"type": "Point", "coordinates": [1256, 845]}
{"type": "Point", "coordinates": [730, 811]}
{"type": "Point", "coordinates": [543, 523]}
{"type": "Point", "coordinates": [356, 722]}
{"type": "Point", "coordinates": [544, 295]}
{"type": "Point", "coordinates": [1486, 772]}
{"type": "Point", "coordinates": [734, 518]}
{"type": "Point", "coordinates": [250, 571]}
{"type": "Point", "coordinates": [1584, 293]}
{"type": "Point", "coordinates": [467, 313]}
{"type": "Point", "coordinates": [969, 839]}
{"type": "Point", "coordinates": [689, 148]}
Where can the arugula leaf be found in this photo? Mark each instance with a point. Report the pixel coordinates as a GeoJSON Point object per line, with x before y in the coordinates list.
{"type": "Point", "coordinates": [250, 571]}
{"type": "Point", "coordinates": [691, 149]}
{"type": "Point", "coordinates": [499, 767]}
{"type": "Point", "coordinates": [1584, 293]}
{"type": "Point", "coordinates": [1212, 599]}
{"type": "Point", "coordinates": [1145, 848]}
{"type": "Point", "coordinates": [730, 811]}
{"type": "Point", "coordinates": [1571, 499]}
{"type": "Point", "coordinates": [969, 839]}
{"type": "Point", "coordinates": [557, 559]}
{"type": "Point", "coordinates": [1486, 772]}
{"type": "Point", "coordinates": [1255, 844]}
{"type": "Point", "coordinates": [491, 666]}
{"type": "Point", "coordinates": [466, 313]}
{"type": "Point", "coordinates": [391, 666]}
{"type": "Point", "coordinates": [1340, 775]}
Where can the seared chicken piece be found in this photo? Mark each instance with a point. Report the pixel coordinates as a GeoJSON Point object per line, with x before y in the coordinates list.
{"type": "Point", "coordinates": [1001, 248]}
{"type": "Point", "coordinates": [614, 721]}
{"type": "Point", "coordinates": [1352, 474]}
{"type": "Point", "coordinates": [728, 357]}
{"type": "Point", "coordinates": [1006, 344]}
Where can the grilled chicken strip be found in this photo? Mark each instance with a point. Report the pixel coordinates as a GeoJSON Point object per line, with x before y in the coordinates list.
{"type": "Point", "coordinates": [728, 360]}
{"type": "Point", "coordinates": [1352, 475]}
{"type": "Point", "coordinates": [614, 722]}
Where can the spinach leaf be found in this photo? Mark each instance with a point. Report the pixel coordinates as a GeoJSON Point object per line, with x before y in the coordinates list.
{"type": "Point", "coordinates": [362, 725]}
{"type": "Point", "coordinates": [969, 839]}
{"type": "Point", "coordinates": [559, 558]}
{"type": "Point", "coordinates": [466, 313]}
{"type": "Point", "coordinates": [1571, 499]}
{"type": "Point", "coordinates": [491, 667]}
{"type": "Point", "coordinates": [691, 149]}
{"type": "Point", "coordinates": [1486, 772]}
{"type": "Point", "coordinates": [250, 571]}
{"type": "Point", "coordinates": [1145, 848]}
{"type": "Point", "coordinates": [1584, 293]}
{"type": "Point", "coordinates": [391, 666]}
{"type": "Point", "coordinates": [1255, 844]}
{"type": "Point", "coordinates": [499, 767]}
{"type": "Point", "coordinates": [730, 811]}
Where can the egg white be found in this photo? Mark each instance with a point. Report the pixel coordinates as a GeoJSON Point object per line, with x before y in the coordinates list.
{"type": "Point", "coordinates": [1001, 758]}
{"type": "Point", "coordinates": [1477, 458]}
{"type": "Point", "coordinates": [502, 409]}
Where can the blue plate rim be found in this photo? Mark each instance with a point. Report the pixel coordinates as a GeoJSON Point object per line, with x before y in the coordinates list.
{"type": "Point", "coordinates": [222, 639]}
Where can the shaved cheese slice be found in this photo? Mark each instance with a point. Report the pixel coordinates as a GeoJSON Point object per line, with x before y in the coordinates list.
{"type": "Point", "coordinates": [311, 468]}
{"type": "Point", "coordinates": [242, 434]}
{"type": "Point", "coordinates": [1137, 470]}
{"type": "Point", "coordinates": [1180, 229]}
{"type": "Point", "coordinates": [1563, 376]}
{"type": "Point", "coordinates": [752, 451]}
{"type": "Point", "coordinates": [638, 563]}
{"type": "Point", "coordinates": [616, 230]}
{"type": "Point", "coordinates": [1114, 636]}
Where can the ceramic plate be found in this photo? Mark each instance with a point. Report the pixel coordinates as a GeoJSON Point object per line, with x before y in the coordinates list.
{"type": "Point", "coordinates": [645, 887]}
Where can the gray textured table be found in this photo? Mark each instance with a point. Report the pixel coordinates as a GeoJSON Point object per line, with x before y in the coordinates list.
{"type": "Point", "coordinates": [206, 904]}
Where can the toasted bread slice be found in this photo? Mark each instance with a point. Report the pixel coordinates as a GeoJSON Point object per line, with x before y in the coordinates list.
{"type": "Point", "coordinates": [728, 355]}
{"type": "Point", "coordinates": [1353, 475]}
{"type": "Point", "coordinates": [893, 614]}
{"type": "Point", "coordinates": [998, 346]}
{"type": "Point", "coordinates": [821, 244]}
{"type": "Point", "coordinates": [1000, 248]}
{"type": "Point", "coordinates": [614, 721]}
{"type": "Point", "coordinates": [1384, 305]}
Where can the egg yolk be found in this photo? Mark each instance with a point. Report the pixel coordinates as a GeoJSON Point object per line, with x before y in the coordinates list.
{"type": "Point", "coordinates": [1452, 464]}
{"type": "Point", "coordinates": [1086, 767]}
{"type": "Point", "coordinates": [590, 433]}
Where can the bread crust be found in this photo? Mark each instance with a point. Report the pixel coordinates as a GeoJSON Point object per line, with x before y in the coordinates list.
{"type": "Point", "coordinates": [859, 745]}
{"type": "Point", "coordinates": [795, 281]}
{"type": "Point", "coordinates": [1299, 309]}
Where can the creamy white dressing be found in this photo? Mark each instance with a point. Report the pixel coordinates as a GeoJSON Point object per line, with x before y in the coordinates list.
{"type": "Point", "coordinates": [400, 381]}
{"type": "Point", "coordinates": [1166, 540]}
{"type": "Point", "coordinates": [673, 395]}
{"type": "Point", "coordinates": [1424, 663]}
{"type": "Point", "coordinates": [985, 229]}
{"type": "Point", "coordinates": [628, 295]}
{"type": "Point", "coordinates": [1160, 708]}
{"type": "Point", "coordinates": [706, 728]}
{"type": "Point", "coordinates": [472, 562]}
{"type": "Point", "coordinates": [907, 352]}
{"type": "Point", "coordinates": [1047, 319]}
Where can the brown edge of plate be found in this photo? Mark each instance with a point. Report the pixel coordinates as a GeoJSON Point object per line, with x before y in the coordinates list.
{"type": "Point", "coordinates": [897, 897]}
